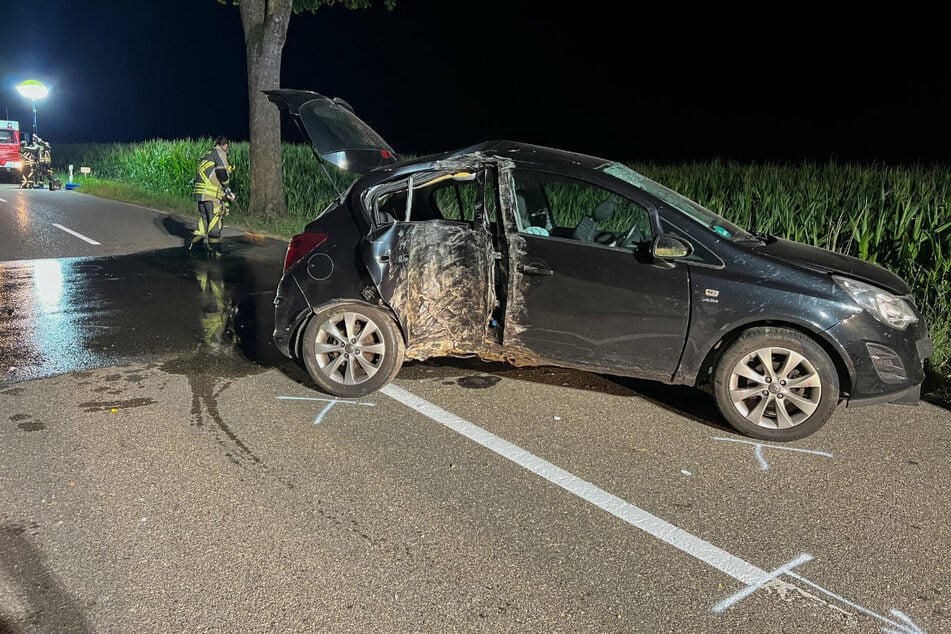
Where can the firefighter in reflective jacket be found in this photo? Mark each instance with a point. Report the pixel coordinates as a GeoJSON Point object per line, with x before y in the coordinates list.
{"type": "Point", "coordinates": [212, 193]}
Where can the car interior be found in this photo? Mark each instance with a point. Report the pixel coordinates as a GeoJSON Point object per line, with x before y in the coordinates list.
{"type": "Point", "coordinates": [552, 206]}
{"type": "Point", "coordinates": [546, 205]}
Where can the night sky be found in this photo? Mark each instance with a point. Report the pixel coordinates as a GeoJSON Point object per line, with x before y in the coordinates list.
{"type": "Point", "coordinates": [674, 84]}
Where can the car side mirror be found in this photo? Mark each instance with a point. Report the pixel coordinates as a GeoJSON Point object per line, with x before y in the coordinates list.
{"type": "Point", "coordinates": [668, 246]}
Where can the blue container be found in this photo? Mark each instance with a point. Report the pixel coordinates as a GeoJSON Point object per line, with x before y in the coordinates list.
{"type": "Point", "coordinates": [72, 185]}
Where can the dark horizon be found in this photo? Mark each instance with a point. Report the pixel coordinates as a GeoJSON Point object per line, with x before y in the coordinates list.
{"type": "Point", "coordinates": [430, 76]}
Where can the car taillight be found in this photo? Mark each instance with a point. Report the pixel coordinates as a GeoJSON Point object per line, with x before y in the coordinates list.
{"type": "Point", "coordinates": [300, 245]}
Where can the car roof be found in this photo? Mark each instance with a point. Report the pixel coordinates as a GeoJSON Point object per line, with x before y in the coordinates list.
{"type": "Point", "coordinates": [520, 154]}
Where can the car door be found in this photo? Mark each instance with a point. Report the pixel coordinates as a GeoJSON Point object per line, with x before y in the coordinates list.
{"type": "Point", "coordinates": [434, 263]}
{"type": "Point", "coordinates": [605, 305]}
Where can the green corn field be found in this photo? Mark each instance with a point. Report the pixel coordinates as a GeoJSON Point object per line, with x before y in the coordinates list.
{"type": "Point", "coordinates": [897, 217]}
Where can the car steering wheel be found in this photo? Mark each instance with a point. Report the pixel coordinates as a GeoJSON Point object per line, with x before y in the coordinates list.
{"type": "Point", "coordinates": [632, 237]}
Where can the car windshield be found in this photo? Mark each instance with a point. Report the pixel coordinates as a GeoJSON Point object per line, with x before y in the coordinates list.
{"type": "Point", "coordinates": [712, 221]}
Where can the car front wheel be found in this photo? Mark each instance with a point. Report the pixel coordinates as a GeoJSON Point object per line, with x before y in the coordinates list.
{"type": "Point", "coordinates": [352, 349]}
{"type": "Point", "coordinates": [775, 384]}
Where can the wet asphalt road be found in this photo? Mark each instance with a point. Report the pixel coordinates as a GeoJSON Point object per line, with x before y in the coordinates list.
{"type": "Point", "coordinates": [164, 469]}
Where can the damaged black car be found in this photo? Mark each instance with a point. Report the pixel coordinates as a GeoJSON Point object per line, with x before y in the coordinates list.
{"type": "Point", "coordinates": [534, 256]}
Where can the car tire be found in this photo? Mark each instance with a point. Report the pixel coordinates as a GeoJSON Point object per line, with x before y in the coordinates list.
{"type": "Point", "coordinates": [790, 399]}
{"type": "Point", "coordinates": [352, 349]}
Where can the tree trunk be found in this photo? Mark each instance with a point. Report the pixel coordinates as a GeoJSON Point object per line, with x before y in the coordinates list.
{"type": "Point", "coordinates": [265, 31]}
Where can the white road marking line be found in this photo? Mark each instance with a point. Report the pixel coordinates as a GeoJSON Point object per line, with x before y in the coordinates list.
{"type": "Point", "coordinates": [694, 546]}
{"type": "Point", "coordinates": [78, 235]}
{"type": "Point", "coordinates": [739, 569]}
{"type": "Point", "coordinates": [3, 200]}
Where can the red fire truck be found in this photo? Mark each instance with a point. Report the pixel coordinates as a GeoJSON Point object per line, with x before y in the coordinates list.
{"type": "Point", "coordinates": [10, 161]}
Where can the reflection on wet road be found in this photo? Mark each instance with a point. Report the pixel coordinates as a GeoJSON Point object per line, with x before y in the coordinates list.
{"type": "Point", "coordinates": [72, 314]}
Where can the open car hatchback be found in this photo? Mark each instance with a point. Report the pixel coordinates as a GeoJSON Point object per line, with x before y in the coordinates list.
{"type": "Point", "coordinates": [537, 256]}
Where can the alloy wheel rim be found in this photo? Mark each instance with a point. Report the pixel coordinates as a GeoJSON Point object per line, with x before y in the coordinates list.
{"type": "Point", "coordinates": [775, 388]}
{"type": "Point", "coordinates": [350, 348]}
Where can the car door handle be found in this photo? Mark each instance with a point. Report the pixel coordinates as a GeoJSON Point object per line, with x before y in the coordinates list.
{"type": "Point", "coordinates": [534, 269]}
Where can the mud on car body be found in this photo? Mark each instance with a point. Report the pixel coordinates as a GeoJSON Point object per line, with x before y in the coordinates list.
{"type": "Point", "coordinates": [531, 255]}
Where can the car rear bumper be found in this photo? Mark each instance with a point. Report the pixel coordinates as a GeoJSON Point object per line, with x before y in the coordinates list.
{"type": "Point", "coordinates": [290, 308]}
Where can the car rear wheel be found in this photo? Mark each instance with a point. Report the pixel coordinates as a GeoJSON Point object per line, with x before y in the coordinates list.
{"type": "Point", "coordinates": [352, 349]}
{"type": "Point", "coordinates": [775, 384]}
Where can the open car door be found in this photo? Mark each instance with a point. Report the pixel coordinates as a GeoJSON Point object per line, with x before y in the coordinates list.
{"type": "Point", "coordinates": [433, 262]}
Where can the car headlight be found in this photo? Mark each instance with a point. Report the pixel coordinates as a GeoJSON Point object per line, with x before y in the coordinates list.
{"type": "Point", "coordinates": [886, 307]}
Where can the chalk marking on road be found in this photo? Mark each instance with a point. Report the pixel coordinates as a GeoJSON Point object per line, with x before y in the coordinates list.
{"type": "Point", "coordinates": [908, 627]}
{"type": "Point", "coordinates": [330, 403]}
{"type": "Point", "coordinates": [750, 589]}
{"type": "Point", "coordinates": [758, 452]}
{"type": "Point", "coordinates": [4, 200]}
{"type": "Point", "coordinates": [726, 562]}
{"type": "Point", "coordinates": [78, 235]}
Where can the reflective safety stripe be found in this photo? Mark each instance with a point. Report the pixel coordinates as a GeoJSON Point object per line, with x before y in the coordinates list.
{"type": "Point", "coordinates": [204, 185]}
{"type": "Point", "coordinates": [208, 189]}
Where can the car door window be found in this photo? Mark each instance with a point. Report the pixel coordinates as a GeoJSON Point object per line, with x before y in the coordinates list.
{"type": "Point", "coordinates": [457, 202]}
{"type": "Point", "coordinates": [455, 197]}
{"type": "Point", "coordinates": [560, 207]}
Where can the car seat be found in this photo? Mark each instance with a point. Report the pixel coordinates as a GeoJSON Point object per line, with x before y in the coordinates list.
{"type": "Point", "coordinates": [587, 228]}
